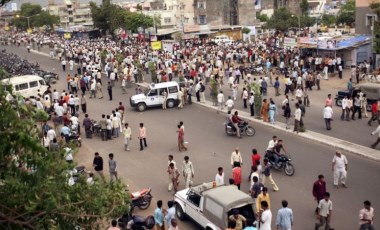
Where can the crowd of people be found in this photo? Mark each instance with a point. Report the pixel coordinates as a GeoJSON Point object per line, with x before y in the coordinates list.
{"type": "Point", "coordinates": [200, 66]}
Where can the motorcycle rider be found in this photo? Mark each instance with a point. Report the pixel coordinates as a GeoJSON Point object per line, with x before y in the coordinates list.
{"type": "Point", "coordinates": [235, 119]}
{"type": "Point", "coordinates": [277, 151]}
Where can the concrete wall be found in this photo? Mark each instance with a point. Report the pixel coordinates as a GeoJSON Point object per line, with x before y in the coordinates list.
{"type": "Point", "coordinates": [247, 13]}
{"type": "Point", "coordinates": [362, 8]}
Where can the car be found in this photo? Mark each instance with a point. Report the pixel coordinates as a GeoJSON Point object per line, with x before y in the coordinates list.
{"type": "Point", "coordinates": [152, 97]}
{"type": "Point", "coordinates": [210, 206]}
{"type": "Point", "coordinates": [372, 91]}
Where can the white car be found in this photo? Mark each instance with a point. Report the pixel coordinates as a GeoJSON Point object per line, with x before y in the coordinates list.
{"type": "Point", "coordinates": [153, 96]}
{"type": "Point", "coordinates": [210, 206]}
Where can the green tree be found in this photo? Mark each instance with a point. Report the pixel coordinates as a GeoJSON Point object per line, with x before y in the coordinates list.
{"type": "Point", "coordinates": [282, 20]}
{"type": "Point", "coordinates": [262, 17]}
{"type": "Point", "coordinates": [108, 17]}
{"type": "Point", "coordinates": [135, 20]}
{"type": "Point", "coordinates": [36, 16]}
{"type": "Point", "coordinates": [304, 6]}
{"type": "Point", "coordinates": [33, 182]}
{"type": "Point", "coordinates": [245, 30]}
{"type": "Point", "coordinates": [346, 14]}
{"type": "Point", "coordinates": [376, 40]}
{"type": "Point", "coordinates": [328, 19]}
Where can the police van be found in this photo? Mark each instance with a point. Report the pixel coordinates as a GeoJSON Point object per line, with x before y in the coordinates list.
{"type": "Point", "coordinates": [153, 95]}
{"type": "Point", "coordinates": [26, 85]}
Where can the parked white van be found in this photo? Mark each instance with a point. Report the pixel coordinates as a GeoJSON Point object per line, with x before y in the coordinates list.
{"type": "Point", "coordinates": [222, 39]}
{"type": "Point", "coordinates": [26, 85]}
{"type": "Point", "coordinates": [153, 95]}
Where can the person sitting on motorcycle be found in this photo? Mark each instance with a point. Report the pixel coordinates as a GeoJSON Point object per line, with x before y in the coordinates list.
{"type": "Point", "coordinates": [277, 151]}
{"type": "Point", "coordinates": [235, 122]}
{"type": "Point", "coordinates": [272, 143]}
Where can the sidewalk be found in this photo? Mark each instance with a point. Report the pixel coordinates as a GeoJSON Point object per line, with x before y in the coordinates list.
{"type": "Point", "coordinates": [308, 135]}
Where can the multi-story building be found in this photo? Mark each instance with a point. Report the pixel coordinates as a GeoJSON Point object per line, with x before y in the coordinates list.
{"type": "Point", "coordinates": [363, 17]}
{"type": "Point", "coordinates": [71, 13]}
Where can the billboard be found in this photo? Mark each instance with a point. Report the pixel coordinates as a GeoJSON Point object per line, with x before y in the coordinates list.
{"type": "Point", "coordinates": [156, 45]}
{"type": "Point", "coordinates": [10, 7]}
{"type": "Point", "coordinates": [290, 42]}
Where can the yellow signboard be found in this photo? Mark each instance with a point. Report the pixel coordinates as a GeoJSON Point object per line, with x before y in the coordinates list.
{"type": "Point", "coordinates": [67, 35]}
{"type": "Point", "coordinates": [156, 45]}
{"type": "Point", "coordinates": [29, 31]}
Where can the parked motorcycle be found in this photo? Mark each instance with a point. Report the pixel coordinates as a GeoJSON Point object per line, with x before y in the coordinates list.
{"type": "Point", "coordinates": [282, 164]}
{"type": "Point", "coordinates": [74, 137]}
{"type": "Point", "coordinates": [135, 222]}
{"type": "Point", "coordinates": [243, 126]}
{"type": "Point", "coordinates": [141, 199]}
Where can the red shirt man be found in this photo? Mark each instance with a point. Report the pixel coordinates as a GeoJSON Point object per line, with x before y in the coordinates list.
{"type": "Point", "coordinates": [236, 175]}
{"type": "Point", "coordinates": [255, 157]}
{"type": "Point", "coordinates": [374, 108]}
{"type": "Point", "coordinates": [319, 188]}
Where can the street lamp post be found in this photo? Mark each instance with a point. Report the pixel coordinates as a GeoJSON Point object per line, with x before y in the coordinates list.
{"type": "Point", "coordinates": [373, 18]}
{"type": "Point", "coordinates": [299, 23]}
{"type": "Point", "coordinates": [27, 18]}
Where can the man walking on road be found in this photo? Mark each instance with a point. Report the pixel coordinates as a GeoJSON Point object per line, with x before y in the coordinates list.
{"type": "Point", "coordinates": [236, 157]}
{"type": "Point", "coordinates": [112, 167]}
{"type": "Point", "coordinates": [284, 217]}
{"type": "Point", "coordinates": [221, 101]}
{"type": "Point", "coordinates": [142, 136]}
{"type": "Point", "coordinates": [109, 89]}
{"type": "Point", "coordinates": [319, 190]}
{"type": "Point", "coordinates": [374, 113]}
{"type": "Point", "coordinates": [268, 175]}
{"type": "Point", "coordinates": [339, 167]}
{"type": "Point", "coordinates": [265, 217]}
{"type": "Point", "coordinates": [366, 217]}
{"type": "Point", "coordinates": [98, 165]}
{"type": "Point", "coordinates": [297, 118]}
{"type": "Point", "coordinates": [127, 136]}
{"type": "Point", "coordinates": [187, 171]}
{"type": "Point", "coordinates": [327, 115]}
{"type": "Point", "coordinates": [324, 212]}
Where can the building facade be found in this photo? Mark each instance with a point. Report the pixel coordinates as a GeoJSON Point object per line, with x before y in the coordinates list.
{"type": "Point", "coordinates": [71, 13]}
{"type": "Point", "coordinates": [362, 21]}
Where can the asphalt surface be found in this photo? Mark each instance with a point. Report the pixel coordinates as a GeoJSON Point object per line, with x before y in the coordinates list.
{"type": "Point", "coordinates": [210, 148]}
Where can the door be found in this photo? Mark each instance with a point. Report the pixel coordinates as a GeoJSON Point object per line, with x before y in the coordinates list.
{"type": "Point", "coordinates": [192, 208]}
{"type": "Point", "coordinates": [161, 93]}
{"type": "Point", "coordinates": [153, 98]}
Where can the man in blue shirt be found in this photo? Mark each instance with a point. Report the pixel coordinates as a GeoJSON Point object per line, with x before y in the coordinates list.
{"type": "Point", "coordinates": [171, 213]}
{"type": "Point", "coordinates": [65, 131]}
{"type": "Point", "coordinates": [284, 217]}
{"type": "Point", "coordinates": [159, 216]}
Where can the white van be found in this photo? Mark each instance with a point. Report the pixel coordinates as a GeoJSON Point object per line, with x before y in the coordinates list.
{"type": "Point", "coordinates": [153, 95]}
{"type": "Point", "coordinates": [27, 85]}
{"type": "Point", "coordinates": [222, 39]}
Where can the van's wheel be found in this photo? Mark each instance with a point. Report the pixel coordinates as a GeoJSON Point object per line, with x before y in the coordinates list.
{"type": "Point", "coordinates": [141, 107]}
{"type": "Point", "coordinates": [170, 104]}
{"type": "Point", "coordinates": [179, 212]}
{"type": "Point", "coordinates": [338, 102]}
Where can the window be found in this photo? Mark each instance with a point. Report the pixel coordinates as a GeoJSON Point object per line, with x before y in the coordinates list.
{"type": "Point", "coordinates": [202, 19]}
{"type": "Point", "coordinates": [42, 82]}
{"type": "Point", "coordinates": [21, 86]}
{"type": "Point", "coordinates": [153, 92]}
{"type": "Point", "coordinates": [194, 198]}
{"type": "Point", "coordinates": [167, 20]}
{"type": "Point", "coordinates": [33, 84]}
{"type": "Point", "coordinates": [173, 89]}
{"type": "Point", "coordinates": [201, 5]}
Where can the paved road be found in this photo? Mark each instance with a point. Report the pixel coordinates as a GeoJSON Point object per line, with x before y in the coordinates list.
{"type": "Point", "coordinates": [210, 148]}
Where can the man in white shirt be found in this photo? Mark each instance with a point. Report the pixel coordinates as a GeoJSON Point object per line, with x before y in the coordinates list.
{"type": "Point", "coordinates": [265, 216]}
{"type": "Point", "coordinates": [327, 115]}
{"type": "Point", "coordinates": [51, 134]}
{"type": "Point", "coordinates": [366, 217]}
{"type": "Point", "coordinates": [344, 107]}
{"type": "Point", "coordinates": [219, 178]}
{"type": "Point", "coordinates": [377, 131]}
{"type": "Point", "coordinates": [272, 143]}
{"type": "Point", "coordinates": [229, 104]}
{"type": "Point", "coordinates": [339, 167]}
{"type": "Point", "coordinates": [324, 212]}
{"type": "Point", "coordinates": [236, 157]}
{"type": "Point", "coordinates": [220, 98]}
{"type": "Point", "coordinates": [297, 118]}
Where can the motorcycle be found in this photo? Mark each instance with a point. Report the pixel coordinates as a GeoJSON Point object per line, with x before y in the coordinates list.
{"type": "Point", "coordinates": [141, 199]}
{"type": "Point", "coordinates": [283, 163]}
{"type": "Point", "coordinates": [135, 222]}
{"type": "Point", "coordinates": [74, 137]}
{"type": "Point", "coordinates": [243, 126]}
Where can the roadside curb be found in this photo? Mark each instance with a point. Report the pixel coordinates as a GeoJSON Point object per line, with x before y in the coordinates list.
{"type": "Point", "coordinates": [326, 140]}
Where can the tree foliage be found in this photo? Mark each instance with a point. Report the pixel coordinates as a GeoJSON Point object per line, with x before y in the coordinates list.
{"type": "Point", "coordinates": [282, 19]}
{"type": "Point", "coordinates": [262, 17]}
{"type": "Point", "coordinates": [108, 17]}
{"type": "Point", "coordinates": [37, 17]}
{"type": "Point", "coordinates": [346, 14]}
{"type": "Point", "coordinates": [328, 19]}
{"type": "Point", "coordinates": [304, 6]}
{"type": "Point", "coordinates": [33, 182]}
{"type": "Point", "coordinates": [376, 9]}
